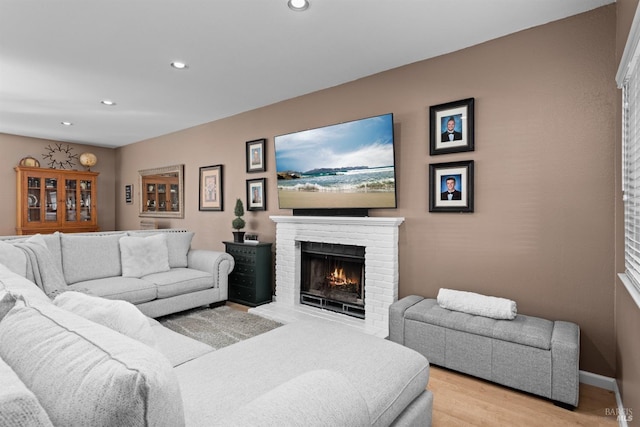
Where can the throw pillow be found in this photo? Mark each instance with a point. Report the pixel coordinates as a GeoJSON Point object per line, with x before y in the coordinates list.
{"type": "Point", "coordinates": [91, 375]}
{"type": "Point", "coordinates": [178, 243]}
{"type": "Point", "coordinates": [141, 256]}
{"type": "Point", "coordinates": [477, 304]}
{"type": "Point", "coordinates": [121, 316]}
{"type": "Point", "coordinates": [7, 302]}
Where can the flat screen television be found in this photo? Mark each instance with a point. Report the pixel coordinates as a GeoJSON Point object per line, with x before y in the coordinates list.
{"type": "Point", "coordinates": [345, 166]}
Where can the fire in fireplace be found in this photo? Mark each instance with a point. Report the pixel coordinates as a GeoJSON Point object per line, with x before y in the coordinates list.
{"type": "Point", "coordinates": [332, 277]}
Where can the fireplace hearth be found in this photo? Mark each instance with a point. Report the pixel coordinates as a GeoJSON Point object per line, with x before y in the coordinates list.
{"type": "Point", "coordinates": [332, 277]}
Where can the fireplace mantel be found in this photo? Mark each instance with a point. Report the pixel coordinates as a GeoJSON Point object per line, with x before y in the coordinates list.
{"type": "Point", "coordinates": [340, 220]}
{"type": "Point", "coordinates": [378, 235]}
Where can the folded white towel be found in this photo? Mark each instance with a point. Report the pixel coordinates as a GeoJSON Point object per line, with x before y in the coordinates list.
{"type": "Point", "coordinates": [480, 305]}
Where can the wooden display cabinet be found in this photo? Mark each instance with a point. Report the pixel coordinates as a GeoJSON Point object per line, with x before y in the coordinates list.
{"type": "Point", "coordinates": [50, 200]}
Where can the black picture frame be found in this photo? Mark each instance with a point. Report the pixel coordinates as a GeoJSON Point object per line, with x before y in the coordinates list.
{"type": "Point", "coordinates": [255, 155]}
{"type": "Point", "coordinates": [211, 197]}
{"type": "Point", "coordinates": [461, 138]}
{"type": "Point", "coordinates": [256, 194]}
{"type": "Point", "coordinates": [462, 198]}
{"type": "Point", "coordinates": [128, 194]}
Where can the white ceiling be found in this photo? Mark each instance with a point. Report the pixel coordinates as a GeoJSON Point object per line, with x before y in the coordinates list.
{"type": "Point", "coordinates": [59, 59]}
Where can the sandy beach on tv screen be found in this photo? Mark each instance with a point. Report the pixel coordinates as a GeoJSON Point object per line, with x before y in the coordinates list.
{"type": "Point", "coordinates": [301, 200]}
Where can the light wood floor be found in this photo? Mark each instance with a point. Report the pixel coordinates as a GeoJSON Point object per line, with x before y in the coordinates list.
{"type": "Point", "coordinates": [462, 400]}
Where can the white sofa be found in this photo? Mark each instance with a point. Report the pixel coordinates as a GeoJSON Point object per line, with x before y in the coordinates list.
{"type": "Point", "coordinates": [58, 367]}
{"type": "Point", "coordinates": [156, 269]}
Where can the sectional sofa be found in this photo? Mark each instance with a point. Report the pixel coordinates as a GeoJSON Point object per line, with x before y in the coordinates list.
{"type": "Point", "coordinates": [154, 269]}
{"type": "Point", "coordinates": [80, 360]}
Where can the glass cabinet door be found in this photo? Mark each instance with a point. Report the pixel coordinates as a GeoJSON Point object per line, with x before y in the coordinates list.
{"type": "Point", "coordinates": [85, 200]}
{"type": "Point", "coordinates": [50, 200]}
{"type": "Point", "coordinates": [71, 202]}
{"type": "Point", "coordinates": [78, 203]}
{"type": "Point", "coordinates": [34, 198]}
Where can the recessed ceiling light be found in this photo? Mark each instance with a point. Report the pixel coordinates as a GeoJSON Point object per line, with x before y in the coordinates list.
{"type": "Point", "coordinates": [179, 65]}
{"type": "Point", "coordinates": [107, 102]}
{"type": "Point", "coordinates": [298, 5]}
{"type": "Point", "coordinates": [66, 123]}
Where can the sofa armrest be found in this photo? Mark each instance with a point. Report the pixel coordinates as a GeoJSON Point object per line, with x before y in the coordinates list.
{"type": "Point", "coordinates": [220, 264]}
{"type": "Point", "coordinates": [314, 399]}
{"type": "Point", "coordinates": [396, 317]}
{"type": "Point", "coordinates": [565, 357]}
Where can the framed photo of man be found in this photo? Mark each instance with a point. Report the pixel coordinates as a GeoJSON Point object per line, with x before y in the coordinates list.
{"type": "Point", "coordinates": [256, 194]}
{"type": "Point", "coordinates": [211, 188]}
{"type": "Point", "coordinates": [451, 186]}
{"type": "Point", "coordinates": [451, 127]}
{"type": "Point", "coordinates": [255, 156]}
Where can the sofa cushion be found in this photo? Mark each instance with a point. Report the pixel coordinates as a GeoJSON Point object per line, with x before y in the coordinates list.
{"type": "Point", "coordinates": [121, 316]}
{"type": "Point", "coordinates": [525, 330]}
{"type": "Point", "coordinates": [293, 349]}
{"type": "Point", "coordinates": [306, 397]}
{"type": "Point", "coordinates": [141, 256]}
{"type": "Point", "coordinates": [178, 243]}
{"type": "Point", "coordinates": [176, 347]}
{"type": "Point", "coordinates": [179, 281]}
{"type": "Point", "coordinates": [92, 374]}
{"type": "Point", "coordinates": [88, 257]}
{"type": "Point", "coordinates": [130, 289]}
{"type": "Point", "coordinates": [19, 407]}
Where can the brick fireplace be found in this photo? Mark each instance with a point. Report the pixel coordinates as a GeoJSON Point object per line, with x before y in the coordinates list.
{"type": "Point", "coordinates": [379, 237]}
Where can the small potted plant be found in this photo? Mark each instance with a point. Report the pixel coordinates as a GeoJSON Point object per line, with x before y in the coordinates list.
{"type": "Point", "coordinates": [238, 223]}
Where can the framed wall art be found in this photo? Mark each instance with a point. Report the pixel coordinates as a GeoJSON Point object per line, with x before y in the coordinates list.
{"type": "Point", "coordinates": [451, 186]}
{"type": "Point", "coordinates": [210, 198]}
{"type": "Point", "coordinates": [451, 127]}
{"type": "Point", "coordinates": [256, 194]}
{"type": "Point", "coordinates": [128, 194]}
{"type": "Point", "coordinates": [255, 155]}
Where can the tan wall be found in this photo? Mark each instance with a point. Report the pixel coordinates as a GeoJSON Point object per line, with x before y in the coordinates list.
{"type": "Point", "coordinates": [14, 148]}
{"type": "Point", "coordinates": [542, 232]}
{"type": "Point", "coordinates": [627, 313]}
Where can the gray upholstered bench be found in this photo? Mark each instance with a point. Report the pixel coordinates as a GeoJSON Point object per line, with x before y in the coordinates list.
{"type": "Point", "coordinates": [527, 353]}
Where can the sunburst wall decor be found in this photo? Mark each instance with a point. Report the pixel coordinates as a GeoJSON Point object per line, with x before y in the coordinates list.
{"type": "Point", "coordinates": [59, 156]}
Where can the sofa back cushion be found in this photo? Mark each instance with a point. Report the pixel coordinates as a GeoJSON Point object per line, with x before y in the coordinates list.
{"type": "Point", "coordinates": [19, 285]}
{"type": "Point", "coordinates": [88, 257]}
{"type": "Point", "coordinates": [14, 258]}
{"type": "Point", "coordinates": [178, 244]}
{"type": "Point", "coordinates": [121, 316]}
{"type": "Point", "coordinates": [86, 374]}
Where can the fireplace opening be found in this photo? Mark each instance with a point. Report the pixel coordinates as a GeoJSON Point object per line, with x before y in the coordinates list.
{"type": "Point", "coordinates": [332, 277]}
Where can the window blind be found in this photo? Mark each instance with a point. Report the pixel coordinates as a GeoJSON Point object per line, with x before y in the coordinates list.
{"type": "Point", "coordinates": [631, 171]}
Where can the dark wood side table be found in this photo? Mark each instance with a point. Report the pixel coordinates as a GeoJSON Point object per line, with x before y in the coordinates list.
{"type": "Point", "coordinates": [250, 280]}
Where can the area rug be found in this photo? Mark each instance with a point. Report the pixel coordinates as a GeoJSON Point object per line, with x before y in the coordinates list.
{"type": "Point", "coordinates": [218, 327]}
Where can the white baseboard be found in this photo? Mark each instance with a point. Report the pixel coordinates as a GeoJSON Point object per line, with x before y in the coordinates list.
{"type": "Point", "coordinates": [597, 380]}
{"type": "Point", "coordinates": [606, 383]}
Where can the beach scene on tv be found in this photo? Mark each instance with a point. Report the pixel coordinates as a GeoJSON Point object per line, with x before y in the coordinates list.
{"type": "Point", "coordinates": [347, 165]}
